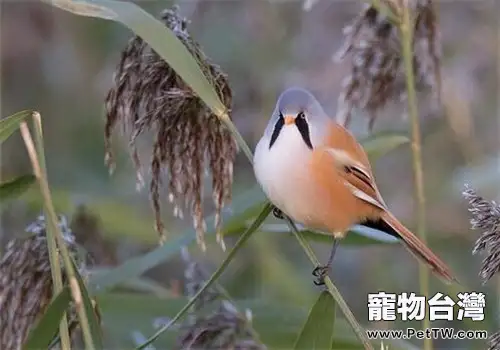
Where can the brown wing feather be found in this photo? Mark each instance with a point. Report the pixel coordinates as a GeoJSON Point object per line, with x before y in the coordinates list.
{"type": "Point", "coordinates": [357, 173]}
{"type": "Point", "coordinates": [361, 181]}
{"type": "Point", "coordinates": [340, 136]}
{"type": "Point", "coordinates": [356, 166]}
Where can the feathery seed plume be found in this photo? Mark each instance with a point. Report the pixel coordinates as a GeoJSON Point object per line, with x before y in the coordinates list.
{"type": "Point", "coordinates": [225, 328]}
{"type": "Point", "coordinates": [149, 95]}
{"type": "Point", "coordinates": [26, 283]}
{"type": "Point", "coordinates": [372, 43]}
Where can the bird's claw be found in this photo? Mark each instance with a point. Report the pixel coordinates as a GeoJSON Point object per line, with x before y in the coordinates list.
{"type": "Point", "coordinates": [320, 272]}
{"type": "Point", "coordinates": [278, 213]}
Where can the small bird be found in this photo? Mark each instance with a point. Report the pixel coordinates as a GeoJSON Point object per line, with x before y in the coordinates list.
{"type": "Point", "coordinates": [314, 171]}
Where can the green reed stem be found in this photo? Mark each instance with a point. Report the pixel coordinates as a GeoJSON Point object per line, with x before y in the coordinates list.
{"type": "Point", "coordinates": [55, 266]}
{"type": "Point", "coordinates": [406, 29]}
{"type": "Point", "coordinates": [241, 241]}
{"type": "Point", "coordinates": [332, 289]}
{"type": "Point", "coordinates": [37, 157]}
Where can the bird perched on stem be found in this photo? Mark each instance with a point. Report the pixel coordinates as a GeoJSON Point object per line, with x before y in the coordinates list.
{"type": "Point", "coordinates": [315, 172]}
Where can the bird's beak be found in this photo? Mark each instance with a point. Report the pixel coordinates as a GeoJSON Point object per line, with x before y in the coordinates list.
{"type": "Point", "coordinates": [289, 120]}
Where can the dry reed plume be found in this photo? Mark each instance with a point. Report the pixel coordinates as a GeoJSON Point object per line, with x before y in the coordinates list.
{"type": "Point", "coordinates": [26, 283]}
{"type": "Point", "coordinates": [149, 95]}
{"type": "Point", "coordinates": [224, 328]}
{"type": "Point", "coordinates": [494, 342]}
{"type": "Point", "coordinates": [372, 46]}
{"type": "Point", "coordinates": [486, 217]}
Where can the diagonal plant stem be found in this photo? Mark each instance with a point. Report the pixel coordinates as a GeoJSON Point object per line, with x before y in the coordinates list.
{"type": "Point", "coordinates": [76, 292]}
{"type": "Point", "coordinates": [37, 158]}
{"type": "Point", "coordinates": [406, 28]}
{"type": "Point", "coordinates": [225, 294]}
{"type": "Point", "coordinates": [332, 289]}
{"type": "Point", "coordinates": [241, 241]}
{"type": "Point", "coordinates": [55, 267]}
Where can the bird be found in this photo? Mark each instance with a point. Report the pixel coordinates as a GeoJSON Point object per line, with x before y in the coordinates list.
{"type": "Point", "coordinates": [314, 171]}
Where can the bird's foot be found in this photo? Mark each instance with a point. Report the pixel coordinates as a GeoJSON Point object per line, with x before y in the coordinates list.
{"type": "Point", "coordinates": [320, 272]}
{"type": "Point", "coordinates": [278, 213]}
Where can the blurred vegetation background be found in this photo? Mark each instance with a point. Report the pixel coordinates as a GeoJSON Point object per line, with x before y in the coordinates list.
{"type": "Point", "coordinates": [62, 66]}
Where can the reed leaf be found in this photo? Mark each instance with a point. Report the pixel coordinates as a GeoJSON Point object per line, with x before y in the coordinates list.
{"type": "Point", "coordinates": [318, 330]}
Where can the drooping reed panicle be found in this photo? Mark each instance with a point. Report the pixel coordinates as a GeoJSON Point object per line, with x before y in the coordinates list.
{"type": "Point", "coordinates": [372, 47]}
{"type": "Point", "coordinates": [148, 95]}
{"type": "Point", "coordinates": [26, 283]}
{"type": "Point", "coordinates": [223, 328]}
{"type": "Point", "coordinates": [494, 341]}
{"type": "Point", "coordinates": [485, 216]}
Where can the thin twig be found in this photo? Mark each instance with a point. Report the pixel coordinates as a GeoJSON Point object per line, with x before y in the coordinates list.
{"type": "Point", "coordinates": [225, 295]}
{"type": "Point", "coordinates": [38, 164]}
{"type": "Point", "coordinates": [406, 28]}
{"type": "Point", "coordinates": [241, 241]}
{"type": "Point", "coordinates": [55, 267]}
{"type": "Point", "coordinates": [68, 264]}
{"type": "Point", "coordinates": [360, 332]}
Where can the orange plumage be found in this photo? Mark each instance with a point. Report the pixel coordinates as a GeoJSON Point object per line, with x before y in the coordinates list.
{"type": "Point", "coordinates": [317, 173]}
{"type": "Point", "coordinates": [341, 210]}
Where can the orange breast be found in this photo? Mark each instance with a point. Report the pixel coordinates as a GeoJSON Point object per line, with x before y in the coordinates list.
{"type": "Point", "coordinates": [336, 207]}
{"type": "Point", "coordinates": [332, 207]}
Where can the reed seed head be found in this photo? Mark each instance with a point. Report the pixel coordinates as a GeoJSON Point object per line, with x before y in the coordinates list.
{"type": "Point", "coordinates": [224, 328]}
{"type": "Point", "coordinates": [26, 283]}
{"type": "Point", "coordinates": [195, 277]}
{"type": "Point", "coordinates": [494, 341]}
{"type": "Point", "coordinates": [149, 95]}
{"type": "Point", "coordinates": [485, 217]}
{"type": "Point", "coordinates": [372, 45]}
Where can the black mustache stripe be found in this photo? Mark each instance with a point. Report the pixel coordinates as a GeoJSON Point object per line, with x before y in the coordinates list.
{"type": "Point", "coordinates": [277, 129]}
{"type": "Point", "coordinates": [300, 123]}
{"type": "Point", "coordinates": [303, 127]}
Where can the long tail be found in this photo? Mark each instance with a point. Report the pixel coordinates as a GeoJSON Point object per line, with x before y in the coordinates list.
{"type": "Point", "coordinates": [418, 249]}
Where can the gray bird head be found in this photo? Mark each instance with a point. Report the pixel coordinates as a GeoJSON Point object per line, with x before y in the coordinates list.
{"type": "Point", "coordinates": [297, 107]}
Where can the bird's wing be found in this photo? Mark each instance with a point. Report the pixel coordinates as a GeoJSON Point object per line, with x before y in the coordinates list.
{"type": "Point", "coordinates": [353, 163]}
{"type": "Point", "coordinates": [356, 177]}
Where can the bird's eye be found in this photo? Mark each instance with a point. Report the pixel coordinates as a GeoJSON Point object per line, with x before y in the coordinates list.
{"type": "Point", "coordinates": [301, 115]}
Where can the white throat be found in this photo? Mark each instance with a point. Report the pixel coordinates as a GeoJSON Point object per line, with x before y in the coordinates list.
{"type": "Point", "coordinates": [280, 168]}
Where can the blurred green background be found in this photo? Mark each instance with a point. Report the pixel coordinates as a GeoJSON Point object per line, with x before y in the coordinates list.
{"type": "Point", "coordinates": [62, 66]}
